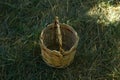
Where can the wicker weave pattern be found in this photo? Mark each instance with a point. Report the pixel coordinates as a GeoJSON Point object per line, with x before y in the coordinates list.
{"type": "Point", "coordinates": [50, 45]}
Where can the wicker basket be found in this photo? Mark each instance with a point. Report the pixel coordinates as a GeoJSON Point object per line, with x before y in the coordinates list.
{"type": "Point", "coordinates": [50, 45]}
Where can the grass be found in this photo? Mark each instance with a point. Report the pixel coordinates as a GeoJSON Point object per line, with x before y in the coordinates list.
{"type": "Point", "coordinates": [98, 52]}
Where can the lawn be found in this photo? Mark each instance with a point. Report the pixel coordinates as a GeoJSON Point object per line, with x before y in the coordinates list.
{"type": "Point", "coordinates": [97, 23]}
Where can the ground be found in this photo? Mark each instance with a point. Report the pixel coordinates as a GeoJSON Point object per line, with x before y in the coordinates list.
{"type": "Point", "coordinates": [97, 23]}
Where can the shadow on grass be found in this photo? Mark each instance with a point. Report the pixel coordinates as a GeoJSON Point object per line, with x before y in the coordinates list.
{"type": "Point", "coordinates": [97, 55]}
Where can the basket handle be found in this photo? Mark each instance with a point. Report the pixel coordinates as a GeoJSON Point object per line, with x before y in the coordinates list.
{"type": "Point", "coordinates": [59, 34]}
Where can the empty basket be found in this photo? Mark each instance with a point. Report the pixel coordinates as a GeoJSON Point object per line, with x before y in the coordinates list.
{"type": "Point", "coordinates": [58, 53]}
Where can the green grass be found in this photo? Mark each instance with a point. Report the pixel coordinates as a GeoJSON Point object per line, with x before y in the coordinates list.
{"type": "Point", "coordinates": [21, 22]}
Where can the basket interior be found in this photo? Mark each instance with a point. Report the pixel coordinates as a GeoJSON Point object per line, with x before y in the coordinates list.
{"type": "Point", "coordinates": [50, 38]}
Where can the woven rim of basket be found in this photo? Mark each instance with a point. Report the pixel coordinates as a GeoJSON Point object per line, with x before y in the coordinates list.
{"type": "Point", "coordinates": [66, 52]}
